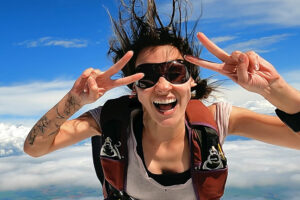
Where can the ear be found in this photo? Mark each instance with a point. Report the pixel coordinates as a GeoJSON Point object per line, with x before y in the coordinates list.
{"type": "Point", "coordinates": [193, 83]}
{"type": "Point", "coordinates": [133, 92]}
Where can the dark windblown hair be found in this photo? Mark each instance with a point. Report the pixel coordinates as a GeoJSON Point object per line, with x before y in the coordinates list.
{"type": "Point", "coordinates": [135, 30]}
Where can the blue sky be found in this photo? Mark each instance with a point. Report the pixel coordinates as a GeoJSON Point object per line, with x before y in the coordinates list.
{"type": "Point", "coordinates": [46, 40]}
{"type": "Point", "coordinates": [46, 45]}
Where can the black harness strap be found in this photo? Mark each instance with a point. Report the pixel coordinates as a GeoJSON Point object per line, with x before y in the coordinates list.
{"type": "Point", "coordinates": [96, 147]}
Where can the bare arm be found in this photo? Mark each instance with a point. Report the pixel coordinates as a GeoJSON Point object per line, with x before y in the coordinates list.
{"type": "Point", "coordinates": [283, 96]}
{"type": "Point", "coordinates": [54, 131]}
{"type": "Point", "coordinates": [261, 127]}
{"type": "Point", "coordinates": [253, 73]}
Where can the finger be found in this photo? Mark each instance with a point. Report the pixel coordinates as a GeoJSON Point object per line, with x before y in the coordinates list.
{"type": "Point", "coordinates": [242, 69]}
{"type": "Point", "coordinates": [235, 57]}
{"type": "Point", "coordinates": [120, 64]}
{"type": "Point", "coordinates": [81, 81]}
{"type": "Point", "coordinates": [93, 74]}
{"type": "Point", "coordinates": [212, 47]}
{"type": "Point", "coordinates": [203, 63]}
{"type": "Point", "coordinates": [87, 72]}
{"type": "Point", "coordinates": [230, 65]}
{"type": "Point", "coordinates": [253, 61]}
{"type": "Point", "coordinates": [101, 91]}
{"type": "Point", "coordinates": [128, 79]}
{"type": "Point", "coordinates": [92, 87]}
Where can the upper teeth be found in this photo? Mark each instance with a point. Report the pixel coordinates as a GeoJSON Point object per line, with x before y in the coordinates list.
{"type": "Point", "coordinates": [166, 101]}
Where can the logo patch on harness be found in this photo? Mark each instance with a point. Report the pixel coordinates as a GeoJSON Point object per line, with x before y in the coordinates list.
{"type": "Point", "coordinates": [213, 160]}
{"type": "Point", "coordinates": [110, 150]}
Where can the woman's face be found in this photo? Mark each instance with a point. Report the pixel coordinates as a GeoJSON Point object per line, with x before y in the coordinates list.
{"type": "Point", "coordinates": [164, 103]}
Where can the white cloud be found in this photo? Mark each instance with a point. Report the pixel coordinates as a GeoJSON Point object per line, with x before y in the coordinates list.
{"type": "Point", "coordinates": [222, 39]}
{"type": "Point", "coordinates": [70, 166]}
{"type": "Point", "coordinates": [240, 13]}
{"type": "Point", "coordinates": [259, 45]}
{"type": "Point", "coordinates": [254, 163]}
{"type": "Point", "coordinates": [34, 99]}
{"type": "Point", "coordinates": [11, 139]}
{"type": "Point", "coordinates": [240, 97]}
{"type": "Point", "coordinates": [276, 12]}
{"type": "Point", "coordinates": [50, 41]}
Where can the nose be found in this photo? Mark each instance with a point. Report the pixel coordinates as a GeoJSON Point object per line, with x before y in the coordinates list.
{"type": "Point", "coordinates": [162, 86]}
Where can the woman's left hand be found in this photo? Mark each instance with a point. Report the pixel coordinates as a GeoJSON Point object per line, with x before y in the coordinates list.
{"type": "Point", "coordinates": [249, 70]}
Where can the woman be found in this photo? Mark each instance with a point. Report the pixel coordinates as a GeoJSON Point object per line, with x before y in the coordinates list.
{"type": "Point", "coordinates": [160, 158]}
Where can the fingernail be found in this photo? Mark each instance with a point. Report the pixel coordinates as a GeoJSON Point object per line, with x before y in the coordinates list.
{"type": "Point", "coordinates": [241, 58]}
{"type": "Point", "coordinates": [256, 67]}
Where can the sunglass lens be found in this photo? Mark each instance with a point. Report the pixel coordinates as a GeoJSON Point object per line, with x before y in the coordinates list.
{"type": "Point", "coordinates": [177, 73]}
{"type": "Point", "coordinates": [144, 83]}
{"type": "Point", "coordinates": [150, 76]}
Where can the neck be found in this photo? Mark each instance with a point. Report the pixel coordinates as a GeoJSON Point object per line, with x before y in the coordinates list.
{"type": "Point", "coordinates": [158, 134]}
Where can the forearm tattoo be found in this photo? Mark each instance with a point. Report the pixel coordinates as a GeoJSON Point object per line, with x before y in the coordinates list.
{"type": "Point", "coordinates": [40, 128]}
{"type": "Point", "coordinates": [59, 116]}
{"type": "Point", "coordinates": [71, 106]}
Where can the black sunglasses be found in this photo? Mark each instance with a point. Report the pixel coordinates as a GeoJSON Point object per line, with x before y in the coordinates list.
{"type": "Point", "coordinates": [174, 71]}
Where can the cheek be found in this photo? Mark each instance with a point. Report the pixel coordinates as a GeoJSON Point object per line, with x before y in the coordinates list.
{"type": "Point", "coordinates": [143, 96]}
{"type": "Point", "coordinates": [185, 90]}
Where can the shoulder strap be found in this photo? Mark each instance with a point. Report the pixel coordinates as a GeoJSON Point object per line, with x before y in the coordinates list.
{"type": "Point", "coordinates": [209, 165]}
{"type": "Point", "coordinates": [110, 149]}
{"type": "Point", "coordinates": [198, 114]}
{"type": "Point", "coordinates": [96, 147]}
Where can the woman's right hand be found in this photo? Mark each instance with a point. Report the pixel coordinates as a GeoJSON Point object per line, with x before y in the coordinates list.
{"type": "Point", "coordinates": [93, 83]}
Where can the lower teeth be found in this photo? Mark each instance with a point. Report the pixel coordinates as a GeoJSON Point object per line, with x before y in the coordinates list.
{"type": "Point", "coordinates": [164, 107]}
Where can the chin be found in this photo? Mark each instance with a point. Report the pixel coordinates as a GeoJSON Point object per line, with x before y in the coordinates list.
{"type": "Point", "coordinates": [164, 116]}
{"type": "Point", "coordinates": [168, 119]}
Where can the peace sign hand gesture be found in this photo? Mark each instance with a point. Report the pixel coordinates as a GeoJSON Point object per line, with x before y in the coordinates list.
{"type": "Point", "coordinates": [249, 70]}
{"type": "Point", "coordinates": [93, 83]}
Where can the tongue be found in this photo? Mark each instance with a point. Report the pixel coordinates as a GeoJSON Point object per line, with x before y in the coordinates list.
{"type": "Point", "coordinates": [165, 107]}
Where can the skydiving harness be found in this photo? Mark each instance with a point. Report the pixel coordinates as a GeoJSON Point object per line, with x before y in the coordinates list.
{"type": "Point", "coordinates": [110, 154]}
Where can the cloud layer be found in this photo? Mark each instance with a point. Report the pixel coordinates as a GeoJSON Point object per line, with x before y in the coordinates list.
{"type": "Point", "coordinates": [71, 166]}
{"type": "Point", "coordinates": [26, 103]}
{"type": "Point", "coordinates": [252, 164]}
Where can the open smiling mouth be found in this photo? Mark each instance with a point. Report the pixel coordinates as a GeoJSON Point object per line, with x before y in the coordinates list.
{"type": "Point", "coordinates": [166, 105]}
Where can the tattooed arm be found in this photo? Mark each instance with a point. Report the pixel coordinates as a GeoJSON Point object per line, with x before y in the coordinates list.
{"type": "Point", "coordinates": [54, 130]}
